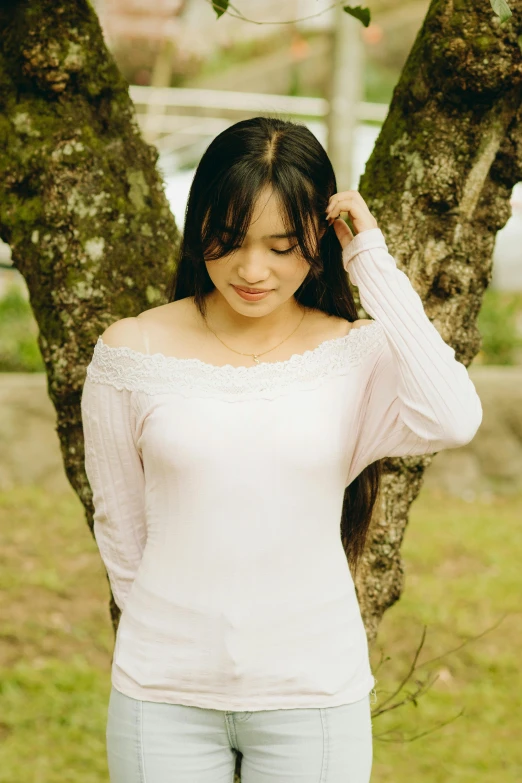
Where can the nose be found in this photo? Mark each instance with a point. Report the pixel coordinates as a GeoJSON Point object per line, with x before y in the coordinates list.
{"type": "Point", "coordinates": [253, 269]}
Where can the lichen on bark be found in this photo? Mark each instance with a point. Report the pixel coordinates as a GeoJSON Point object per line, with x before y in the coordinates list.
{"type": "Point", "coordinates": [83, 208]}
{"type": "Point", "coordinates": [82, 204]}
{"type": "Point", "coordinates": [439, 182]}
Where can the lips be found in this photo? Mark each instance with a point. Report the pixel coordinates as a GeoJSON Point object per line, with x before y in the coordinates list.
{"type": "Point", "coordinates": [249, 296]}
{"type": "Point", "coordinates": [252, 290]}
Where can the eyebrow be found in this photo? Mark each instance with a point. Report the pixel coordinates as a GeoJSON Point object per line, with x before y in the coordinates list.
{"type": "Point", "coordinates": [269, 236]}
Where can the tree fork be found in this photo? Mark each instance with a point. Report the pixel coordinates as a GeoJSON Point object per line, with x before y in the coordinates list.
{"type": "Point", "coordinates": [83, 209]}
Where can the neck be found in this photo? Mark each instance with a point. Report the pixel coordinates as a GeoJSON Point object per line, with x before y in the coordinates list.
{"type": "Point", "coordinates": [259, 330]}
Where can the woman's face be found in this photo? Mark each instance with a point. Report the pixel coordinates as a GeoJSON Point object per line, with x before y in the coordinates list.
{"type": "Point", "coordinates": [262, 262]}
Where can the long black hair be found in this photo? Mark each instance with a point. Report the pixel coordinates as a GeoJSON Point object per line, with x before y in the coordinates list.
{"type": "Point", "coordinates": [286, 156]}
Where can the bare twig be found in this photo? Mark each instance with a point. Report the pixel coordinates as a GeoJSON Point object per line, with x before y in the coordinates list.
{"type": "Point", "coordinates": [467, 641]}
{"type": "Point", "coordinates": [410, 671]}
{"type": "Point", "coordinates": [414, 666]}
{"type": "Point", "coordinates": [382, 660]}
{"type": "Point", "coordinates": [416, 736]}
{"type": "Point", "coordinates": [239, 15]}
{"type": "Point", "coordinates": [410, 697]}
{"type": "Point", "coordinates": [422, 685]}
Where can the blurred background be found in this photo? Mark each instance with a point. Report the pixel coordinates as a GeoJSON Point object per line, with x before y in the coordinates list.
{"type": "Point", "coordinates": [191, 75]}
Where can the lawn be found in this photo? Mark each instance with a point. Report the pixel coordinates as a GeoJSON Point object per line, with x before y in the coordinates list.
{"type": "Point", "coordinates": [462, 563]}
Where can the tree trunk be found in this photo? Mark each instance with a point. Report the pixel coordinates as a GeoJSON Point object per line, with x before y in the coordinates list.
{"type": "Point", "coordinates": [439, 183]}
{"type": "Point", "coordinates": [81, 202]}
{"type": "Point", "coordinates": [83, 209]}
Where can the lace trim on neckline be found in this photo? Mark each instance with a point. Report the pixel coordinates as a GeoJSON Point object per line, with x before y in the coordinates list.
{"type": "Point", "coordinates": [156, 373]}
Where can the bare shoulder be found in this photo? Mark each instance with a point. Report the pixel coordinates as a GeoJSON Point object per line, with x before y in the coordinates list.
{"type": "Point", "coordinates": [336, 326]}
{"type": "Point", "coordinates": [361, 322]}
{"type": "Point", "coordinates": [125, 333]}
{"type": "Point", "coordinates": [169, 319]}
{"type": "Point", "coordinates": [131, 332]}
{"type": "Point", "coordinates": [175, 311]}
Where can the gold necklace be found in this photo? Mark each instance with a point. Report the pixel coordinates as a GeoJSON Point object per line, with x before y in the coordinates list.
{"type": "Point", "coordinates": [255, 356]}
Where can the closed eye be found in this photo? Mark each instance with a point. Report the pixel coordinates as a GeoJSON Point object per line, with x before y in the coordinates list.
{"type": "Point", "coordinates": [283, 252]}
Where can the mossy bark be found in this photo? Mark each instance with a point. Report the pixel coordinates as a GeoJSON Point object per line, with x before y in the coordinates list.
{"type": "Point", "coordinates": [439, 182]}
{"type": "Point", "coordinates": [83, 208]}
{"type": "Point", "coordinates": [82, 204]}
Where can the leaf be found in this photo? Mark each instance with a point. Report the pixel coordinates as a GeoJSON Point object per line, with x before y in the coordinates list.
{"type": "Point", "coordinates": [363, 14]}
{"type": "Point", "coordinates": [502, 9]}
{"type": "Point", "coordinates": [220, 6]}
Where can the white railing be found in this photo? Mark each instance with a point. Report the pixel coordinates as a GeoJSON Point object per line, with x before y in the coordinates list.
{"type": "Point", "coordinates": [179, 121]}
{"type": "Point", "coordinates": [229, 100]}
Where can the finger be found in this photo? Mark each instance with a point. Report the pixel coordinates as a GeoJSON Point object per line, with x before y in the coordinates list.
{"type": "Point", "coordinates": [348, 204]}
{"type": "Point", "coordinates": [346, 195]}
{"type": "Point", "coordinates": [344, 235]}
{"type": "Point", "coordinates": [359, 214]}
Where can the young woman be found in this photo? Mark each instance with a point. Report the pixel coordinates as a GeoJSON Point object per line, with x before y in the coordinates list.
{"type": "Point", "coordinates": [232, 440]}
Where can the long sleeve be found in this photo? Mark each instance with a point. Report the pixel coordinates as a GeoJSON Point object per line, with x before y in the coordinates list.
{"type": "Point", "coordinates": [115, 472]}
{"type": "Point", "coordinates": [419, 398]}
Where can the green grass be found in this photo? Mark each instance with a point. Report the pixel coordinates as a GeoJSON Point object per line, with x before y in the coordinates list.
{"type": "Point", "coordinates": [19, 351]}
{"type": "Point", "coordinates": [462, 564]}
{"type": "Point", "coordinates": [55, 642]}
{"type": "Point", "coordinates": [497, 324]}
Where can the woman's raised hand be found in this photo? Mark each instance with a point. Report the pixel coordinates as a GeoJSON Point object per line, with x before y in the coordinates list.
{"type": "Point", "coordinates": [352, 203]}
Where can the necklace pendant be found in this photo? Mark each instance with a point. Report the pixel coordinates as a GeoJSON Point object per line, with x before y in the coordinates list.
{"type": "Point", "coordinates": [255, 358]}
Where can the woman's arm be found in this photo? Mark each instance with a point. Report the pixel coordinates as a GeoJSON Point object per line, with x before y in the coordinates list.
{"type": "Point", "coordinates": [115, 472]}
{"type": "Point", "coordinates": [419, 398]}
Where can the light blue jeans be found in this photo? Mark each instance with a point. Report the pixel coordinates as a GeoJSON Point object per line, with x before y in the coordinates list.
{"type": "Point", "coordinates": [155, 742]}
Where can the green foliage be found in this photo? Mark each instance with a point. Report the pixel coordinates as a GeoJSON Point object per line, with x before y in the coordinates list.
{"type": "Point", "coordinates": [497, 323]}
{"type": "Point", "coordinates": [360, 13]}
{"type": "Point", "coordinates": [379, 80]}
{"type": "Point", "coordinates": [241, 51]}
{"type": "Point", "coordinates": [502, 9]}
{"type": "Point", "coordinates": [220, 6]}
{"type": "Point", "coordinates": [19, 351]}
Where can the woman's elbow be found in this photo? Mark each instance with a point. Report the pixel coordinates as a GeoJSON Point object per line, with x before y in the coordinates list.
{"type": "Point", "coordinates": [467, 425]}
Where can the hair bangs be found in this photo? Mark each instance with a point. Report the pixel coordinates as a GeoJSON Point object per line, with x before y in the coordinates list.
{"type": "Point", "coordinates": [297, 211]}
{"type": "Point", "coordinates": [230, 213]}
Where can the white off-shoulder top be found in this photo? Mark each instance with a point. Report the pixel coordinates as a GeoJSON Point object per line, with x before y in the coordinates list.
{"type": "Point", "coordinates": [218, 493]}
